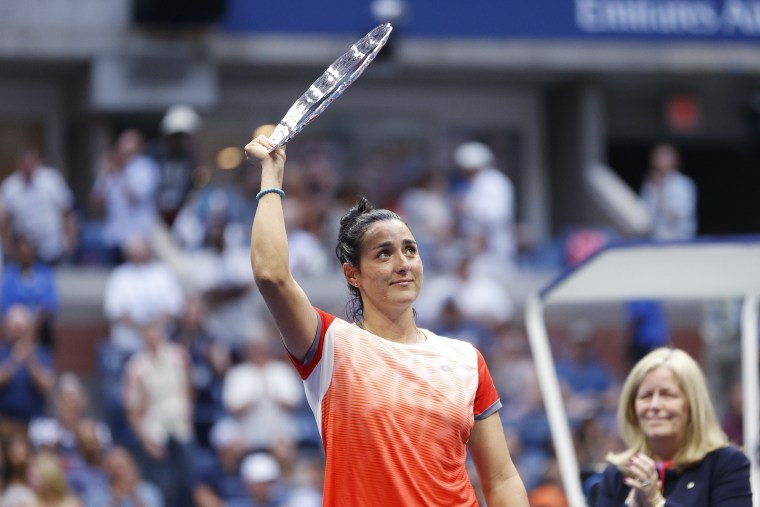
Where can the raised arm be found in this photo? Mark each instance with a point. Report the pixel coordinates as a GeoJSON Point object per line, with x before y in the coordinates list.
{"type": "Point", "coordinates": [286, 300]}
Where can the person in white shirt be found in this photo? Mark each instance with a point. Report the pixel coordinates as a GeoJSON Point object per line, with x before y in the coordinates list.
{"type": "Point", "coordinates": [158, 400]}
{"type": "Point", "coordinates": [262, 392]}
{"type": "Point", "coordinates": [139, 293]}
{"type": "Point", "coordinates": [486, 207]}
{"type": "Point", "coordinates": [39, 205]}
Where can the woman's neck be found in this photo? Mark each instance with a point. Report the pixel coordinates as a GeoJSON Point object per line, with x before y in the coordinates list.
{"type": "Point", "coordinates": [403, 330]}
{"type": "Point", "coordinates": [665, 449]}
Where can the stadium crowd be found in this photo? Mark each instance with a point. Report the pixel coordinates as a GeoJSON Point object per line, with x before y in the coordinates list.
{"type": "Point", "coordinates": [196, 403]}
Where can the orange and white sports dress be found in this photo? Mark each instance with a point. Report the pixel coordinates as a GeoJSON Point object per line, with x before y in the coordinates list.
{"type": "Point", "coordinates": [394, 418]}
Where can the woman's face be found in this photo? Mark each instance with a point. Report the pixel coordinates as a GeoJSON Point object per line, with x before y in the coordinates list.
{"type": "Point", "coordinates": [662, 409]}
{"type": "Point", "coordinates": [390, 268]}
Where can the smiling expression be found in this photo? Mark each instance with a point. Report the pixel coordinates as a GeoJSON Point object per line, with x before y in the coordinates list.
{"type": "Point", "coordinates": [662, 409]}
{"type": "Point", "coordinates": [390, 268]}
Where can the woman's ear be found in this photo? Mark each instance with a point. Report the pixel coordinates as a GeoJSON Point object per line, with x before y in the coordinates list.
{"type": "Point", "coordinates": [351, 273]}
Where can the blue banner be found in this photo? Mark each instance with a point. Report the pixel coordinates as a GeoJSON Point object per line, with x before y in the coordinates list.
{"type": "Point", "coordinates": [636, 20]}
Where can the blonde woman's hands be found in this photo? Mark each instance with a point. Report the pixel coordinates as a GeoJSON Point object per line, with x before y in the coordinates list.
{"type": "Point", "coordinates": [642, 477]}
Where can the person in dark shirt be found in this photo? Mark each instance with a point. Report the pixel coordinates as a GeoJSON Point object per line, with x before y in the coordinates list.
{"type": "Point", "coordinates": [677, 452]}
{"type": "Point", "coordinates": [26, 371]}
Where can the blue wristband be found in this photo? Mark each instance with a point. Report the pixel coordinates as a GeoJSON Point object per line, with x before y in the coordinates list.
{"type": "Point", "coordinates": [270, 191]}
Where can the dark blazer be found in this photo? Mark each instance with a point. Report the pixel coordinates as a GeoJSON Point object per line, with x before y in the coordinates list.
{"type": "Point", "coordinates": [720, 479]}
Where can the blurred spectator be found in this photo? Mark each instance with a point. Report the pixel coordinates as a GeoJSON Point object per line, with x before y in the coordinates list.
{"type": "Point", "coordinates": [139, 293]}
{"type": "Point", "coordinates": [486, 205]}
{"type": "Point", "coordinates": [648, 328]}
{"type": "Point", "coordinates": [210, 362]}
{"type": "Point", "coordinates": [305, 487]}
{"type": "Point", "coordinates": [177, 159]}
{"type": "Point", "coordinates": [584, 377]}
{"type": "Point", "coordinates": [84, 467]}
{"type": "Point", "coordinates": [126, 188]}
{"type": "Point", "coordinates": [453, 323]}
{"type": "Point", "coordinates": [17, 492]}
{"type": "Point", "coordinates": [218, 481]}
{"type": "Point", "coordinates": [26, 372]}
{"type": "Point", "coordinates": [240, 214]}
{"type": "Point", "coordinates": [427, 212]}
{"type": "Point", "coordinates": [261, 475]}
{"type": "Point", "coordinates": [39, 205]}
{"type": "Point", "coordinates": [307, 255]}
{"type": "Point", "coordinates": [594, 437]}
{"type": "Point", "coordinates": [127, 489]}
{"type": "Point", "coordinates": [31, 284]}
{"type": "Point", "coordinates": [514, 373]}
{"type": "Point", "coordinates": [48, 480]}
{"type": "Point", "coordinates": [531, 429]}
{"type": "Point", "coordinates": [70, 404]}
{"type": "Point", "coordinates": [158, 400]}
{"type": "Point", "coordinates": [669, 196]}
{"type": "Point", "coordinates": [262, 393]}
{"type": "Point", "coordinates": [220, 274]}
{"type": "Point", "coordinates": [231, 202]}
{"type": "Point", "coordinates": [477, 291]}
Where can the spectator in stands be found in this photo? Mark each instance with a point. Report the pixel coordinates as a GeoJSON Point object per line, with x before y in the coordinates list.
{"type": "Point", "coordinates": [305, 487]}
{"type": "Point", "coordinates": [429, 214]}
{"type": "Point", "coordinates": [486, 205]}
{"type": "Point", "coordinates": [669, 196]}
{"type": "Point", "coordinates": [139, 293]}
{"type": "Point", "coordinates": [306, 252]}
{"type": "Point", "coordinates": [127, 489]}
{"type": "Point", "coordinates": [32, 284]}
{"type": "Point", "coordinates": [585, 379]}
{"type": "Point", "coordinates": [16, 489]}
{"type": "Point", "coordinates": [84, 466]}
{"type": "Point", "coordinates": [262, 393]}
{"type": "Point", "coordinates": [39, 205]}
{"type": "Point", "coordinates": [261, 474]}
{"type": "Point", "coordinates": [210, 362]}
{"type": "Point", "coordinates": [48, 480]}
{"type": "Point", "coordinates": [177, 159]}
{"type": "Point", "coordinates": [70, 404]}
{"type": "Point", "coordinates": [478, 293]}
{"type": "Point", "coordinates": [126, 188]}
{"type": "Point", "coordinates": [218, 481]}
{"type": "Point", "coordinates": [158, 400]}
{"type": "Point", "coordinates": [220, 274]}
{"type": "Point", "coordinates": [233, 202]}
{"type": "Point", "coordinates": [452, 322]}
{"type": "Point", "coordinates": [26, 372]}
{"type": "Point", "coordinates": [648, 328]}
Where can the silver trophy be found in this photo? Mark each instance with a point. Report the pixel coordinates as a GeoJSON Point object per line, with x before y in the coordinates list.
{"type": "Point", "coordinates": [338, 76]}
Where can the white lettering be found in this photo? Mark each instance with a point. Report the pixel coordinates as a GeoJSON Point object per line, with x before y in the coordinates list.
{"type": "Point", "coordinates": [587, 15]}
{"type": "Point", "coordinates": [669, 17]}
{"type": "Point", "coordinates": [742, 17]}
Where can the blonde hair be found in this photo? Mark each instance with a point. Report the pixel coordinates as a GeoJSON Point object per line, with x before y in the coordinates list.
{"type": "Point", "coordinates": [51, 476]}
{"type": "Point", "coordinates": [703, 433]}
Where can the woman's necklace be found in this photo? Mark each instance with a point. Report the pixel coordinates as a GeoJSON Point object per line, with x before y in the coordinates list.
{"type": "Point", "coordinates": [418, 336]}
